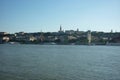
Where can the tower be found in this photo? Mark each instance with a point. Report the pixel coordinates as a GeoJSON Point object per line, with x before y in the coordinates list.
{"type": "Point", "coordinates": [77, 29]}
{"type": "Point", "coordinates": [111, 31]}
{"type": "Point", "coordinates": [60, 28]}
{"type": "Point", "coordinates": [89, 37]}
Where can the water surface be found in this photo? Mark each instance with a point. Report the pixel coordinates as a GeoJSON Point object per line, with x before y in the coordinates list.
{"type": "Point", "coordinates": [59, 62]}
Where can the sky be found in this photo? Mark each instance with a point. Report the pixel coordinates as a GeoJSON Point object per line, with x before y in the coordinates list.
{"type": "Point", "coordinates": [48, 15]}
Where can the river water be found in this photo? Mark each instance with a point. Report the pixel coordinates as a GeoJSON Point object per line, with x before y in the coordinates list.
{"type": "Point", "coordinates": [59, 62]}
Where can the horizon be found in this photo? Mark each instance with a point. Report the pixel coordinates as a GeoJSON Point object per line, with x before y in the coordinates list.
{"type": "Point", "coordinates": [48, 15]}
{"type": "Point", "coordinates": [62, 30]}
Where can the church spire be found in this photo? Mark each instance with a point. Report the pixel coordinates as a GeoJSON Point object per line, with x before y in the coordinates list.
{"type": "Point", "coordinates": [60, 28]}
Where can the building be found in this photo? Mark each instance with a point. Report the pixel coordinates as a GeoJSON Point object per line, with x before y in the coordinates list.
{"type": "Point", "coordinates": [32, 38]}
{"type": "Point", "coordinates": [42, 38]}
{"type": "Point", "coordinates": [61, 31]}
{"type": "Point", "coordinates": [6, 39]}
{"type": "Point", "coordinates": [89, 37]}
{"type": "Point", "coordinates": [69, 31]}
{"type": "Point", "coordinates": [3, 33]}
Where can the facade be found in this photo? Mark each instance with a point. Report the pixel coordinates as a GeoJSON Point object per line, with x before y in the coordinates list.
{"type": "Point", "coordinates": [6, 39]}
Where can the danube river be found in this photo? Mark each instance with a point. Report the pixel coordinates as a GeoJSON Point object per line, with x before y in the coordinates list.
{"type": "Point", "coordinates": [59, 62]}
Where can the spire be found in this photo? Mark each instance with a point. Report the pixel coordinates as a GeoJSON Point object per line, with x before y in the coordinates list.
{"type": "Point", "coordinates": [60, 28]}
{"type": "Point", "coordinates": [61, 31]}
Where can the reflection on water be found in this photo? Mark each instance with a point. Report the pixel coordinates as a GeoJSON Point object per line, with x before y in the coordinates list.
{"type": "Point", "coordinates": [59, 62]}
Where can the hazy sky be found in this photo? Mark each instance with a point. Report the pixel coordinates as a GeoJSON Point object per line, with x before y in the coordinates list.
{"type": "Point", "coordinates": [47, 15]}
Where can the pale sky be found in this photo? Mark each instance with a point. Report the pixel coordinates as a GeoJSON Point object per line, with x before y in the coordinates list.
{"type": "Point", "coordinates": [48, 15]}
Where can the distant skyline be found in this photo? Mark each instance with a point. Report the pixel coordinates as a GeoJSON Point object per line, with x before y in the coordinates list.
{"type": "Point", "coordinates": [48, 15]}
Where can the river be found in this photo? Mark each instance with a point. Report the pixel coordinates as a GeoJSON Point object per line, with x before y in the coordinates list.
{"type": "Point", "coordinates": [59, 62]}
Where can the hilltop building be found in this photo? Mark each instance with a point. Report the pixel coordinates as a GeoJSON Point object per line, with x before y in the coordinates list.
{"type": "Point", "coordinates": [61, 31]}
{"type": "Point", "coordinates": [3, 33]}
{"type": "Point", "coordinates": [69, 31]}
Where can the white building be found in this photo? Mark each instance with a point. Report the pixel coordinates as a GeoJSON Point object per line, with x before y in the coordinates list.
{"type": "Point", "coordinates": [89, 37]}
